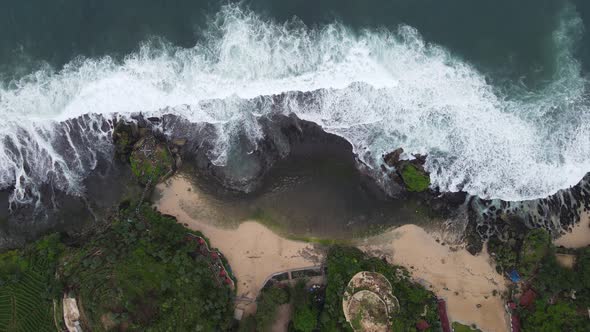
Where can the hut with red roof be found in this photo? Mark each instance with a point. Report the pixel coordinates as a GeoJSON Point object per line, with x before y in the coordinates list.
{"type": "Point", "coordinates": [443, 316]}
{"type": "Point", "coordinates": [527, 298]}
{"type": "Point", "coordinates": [422, 325]}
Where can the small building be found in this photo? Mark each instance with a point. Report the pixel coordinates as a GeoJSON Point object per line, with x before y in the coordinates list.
{"type": "Point", "coordinates": [514, 276]}
{"type": "Point", "coordinates": [511, 306]}
{"type": "Point", "coordinates": [527, 298]}
{"type": "Point", "coordinates": [443, 316]}
{"type": "Point", "coordinates": [422, 325]}
{"type": "Point", "coordinates": [514, 323]}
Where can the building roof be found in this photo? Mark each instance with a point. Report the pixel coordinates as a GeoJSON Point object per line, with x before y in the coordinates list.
{"type": "Point", "coordinates": [514, 276]}
{"type": "Point", "coordinates": [511, 305]}
{"type": "Point", "coordinates": [515, 323]}
{"type": "Point", "coordinates": [442, 314]}
{"type": "Point", "coordinates": [528, 298]}
{"type": "Point", "coordinates": [422, 325]}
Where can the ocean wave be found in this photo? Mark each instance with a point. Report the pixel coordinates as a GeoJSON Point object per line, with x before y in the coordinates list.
{"type": "Point", "coordinates": [379, 89]}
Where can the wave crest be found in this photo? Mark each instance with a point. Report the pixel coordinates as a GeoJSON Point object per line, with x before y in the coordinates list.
{"type": "Point", "coordinates": [379, 89]}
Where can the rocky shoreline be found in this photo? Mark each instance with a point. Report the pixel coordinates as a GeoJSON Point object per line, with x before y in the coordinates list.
{"type": "Point", "coordinates": [111, 179]}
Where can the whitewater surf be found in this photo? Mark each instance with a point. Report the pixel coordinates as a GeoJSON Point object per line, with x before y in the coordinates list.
{"type": "Point", "coordinates": [379, 89]}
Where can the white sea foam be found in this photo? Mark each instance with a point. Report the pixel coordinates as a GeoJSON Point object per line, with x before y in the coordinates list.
{"type": "Point", "coordinates": [381, 90]}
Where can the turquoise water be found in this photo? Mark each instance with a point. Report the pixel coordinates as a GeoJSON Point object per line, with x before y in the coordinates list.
{"type": "Point", "coordinates": [495, 93]}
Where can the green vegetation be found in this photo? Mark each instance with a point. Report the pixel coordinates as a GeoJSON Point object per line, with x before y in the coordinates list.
{"type": "Point", "coordinates": [139, 275]}
{"type": "Point", "coordinates": [505, 254]}
{"type": "Point", "coordinates": [555, 309]}
{"type": "Point", "coordinates": [27, 286]}
{"type": "Point", "coordinates": [305, 310]}
{"type": "Point", "coordinates": [536, 245]}
{"type": "Point", "coordinates": [458, 327]}
{"type": "Point", "coordinates": [269, 301]}
{"type": "Point", "coordinates": [583, 266]}
{"type": "Point", "coordinates": [552, 278]}
{"type": "Point", "coordinates": [150, 161]}
{"type": "Point", "coordinates": [415, 179]}
{"type": "Point", "coordinates": [561, 316]}
{"type": "Point", "coordinates": [344, 262]}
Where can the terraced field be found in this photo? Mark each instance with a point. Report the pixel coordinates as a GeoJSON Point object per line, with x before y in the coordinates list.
{"type": "Point", "coordinates": [23, 307]}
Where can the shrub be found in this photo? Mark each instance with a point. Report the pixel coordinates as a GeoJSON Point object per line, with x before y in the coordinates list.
{"type": "Point", "coordinates": [344, 262]}
{"type": "Point", "coordinates": [150, 161]}
{"type": "Point", "coordinates": [305, 319]}
{"type": "Point", "coordinates": [141, 271]}
{"type": "Point", "coordinates": [536, 245]}
{"type": "Point", "coordinates": [268, 303]}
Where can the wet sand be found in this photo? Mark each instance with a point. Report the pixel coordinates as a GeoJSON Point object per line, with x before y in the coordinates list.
{"type": "Point", "coordinates": [579, 236]}
{"type": "Point", "coordinates": [465, 281]}
{"type": "Point", "coordinates": [254, 252]}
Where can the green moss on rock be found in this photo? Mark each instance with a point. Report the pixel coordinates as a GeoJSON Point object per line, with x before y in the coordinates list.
{"type": "Point", "coordinates": [415, 179]}
{"type": "Point", "coordinates": [124, 137]}
{"type": "Point", "coordinates": [150, 161]}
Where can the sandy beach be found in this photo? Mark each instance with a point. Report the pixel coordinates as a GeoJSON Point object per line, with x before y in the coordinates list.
{"type": "Point", "coordinates": [466, 282]}
{"type": "Point", "coordinates": [579, 236]}
{"type": "Point", "coordinates": [470, 284]}
{"type": "Point", "coordinates": [253, 251]}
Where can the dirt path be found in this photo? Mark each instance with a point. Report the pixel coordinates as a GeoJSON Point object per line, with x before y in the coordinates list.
{"type": "Point", "coordinates": [284, 313]}
{"type": "Point", "coordinates": [253, 251]}
{"type": "Point", "coordinates": [467, 282]}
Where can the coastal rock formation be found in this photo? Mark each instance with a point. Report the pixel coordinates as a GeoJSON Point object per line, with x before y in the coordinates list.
{"type": "Point", "coordinates": [556, 213]}
{"type": "Point", "coordinates": [409, 173]}
{"type": "Point", "coordinates": [124, 151]}
{"type": "Point", "coordinates": [247, 162]}
{"type": "Point", "coordinates": [69, 213]}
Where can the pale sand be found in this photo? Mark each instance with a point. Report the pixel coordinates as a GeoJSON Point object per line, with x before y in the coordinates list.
{"type": "Point", "coordinates": [254, 252]}
{"type": "Point", "coordinates": [566, 260]}
{"type": "Point", "coordinates": [579, 236]}
{"type": "Point", "coordinates": [462, 279]}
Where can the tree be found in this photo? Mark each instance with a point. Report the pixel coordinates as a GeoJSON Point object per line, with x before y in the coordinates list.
{"type": "Point", "coordinates": [561, 316]}
{"type": "Point", "coordinates": [305, 319]}
{"type": "Point", "coordinates": [583, 267]}
{"type": "Point", "coordinates": [536, 245]}
{"type": "Point", "coordinates": [553, 278]}
{"type": "Point", "coordinates": [269, 301]}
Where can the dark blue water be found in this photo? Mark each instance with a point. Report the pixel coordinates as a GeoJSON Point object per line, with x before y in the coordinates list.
{"type": "Point", "coordinates": [508, 38]}
{"type": "Point", "coordinates": [494, 92]}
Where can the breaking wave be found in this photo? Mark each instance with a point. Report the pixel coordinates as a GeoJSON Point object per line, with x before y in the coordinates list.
{"type": "Point", "coordinates": [378, 89]}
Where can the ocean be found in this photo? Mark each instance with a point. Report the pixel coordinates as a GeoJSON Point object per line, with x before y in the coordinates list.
{"type": "Point", "coordinates": [495, 93]}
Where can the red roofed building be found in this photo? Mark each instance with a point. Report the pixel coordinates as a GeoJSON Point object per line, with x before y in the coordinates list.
{"type": "Point", "coordinates": [422, 325]}
{"type": "Point", "coordinates": [527, 298]}
{"type": "Point", "coordinates": [444, 317]}
{"type": "Point", "coordinates": [514, 323]}
{"type": "Point", "coordinates": [511, 305]}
